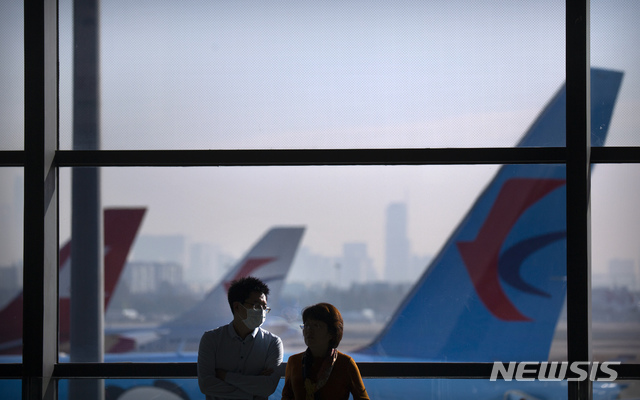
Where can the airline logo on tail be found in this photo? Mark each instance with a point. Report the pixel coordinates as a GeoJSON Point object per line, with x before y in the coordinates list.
{"type": "Point", "coordinates": [482, 257]}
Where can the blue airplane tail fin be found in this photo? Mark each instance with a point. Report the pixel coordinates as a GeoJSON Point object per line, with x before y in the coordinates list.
{"type": "Point", "coordinates": [496, 289]}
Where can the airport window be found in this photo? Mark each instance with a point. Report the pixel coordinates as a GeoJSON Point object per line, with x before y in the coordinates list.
{"type": "Point", "coordinates": [224, 75]}
{"type": "Point", "coordinates": [491, 97]}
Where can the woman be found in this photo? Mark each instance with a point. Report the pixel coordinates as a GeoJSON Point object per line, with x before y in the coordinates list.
{"type": "Point", "coordinates": [322, 372]}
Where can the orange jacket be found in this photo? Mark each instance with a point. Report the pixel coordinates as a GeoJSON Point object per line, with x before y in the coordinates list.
{"type": "Point", "coordinates": [344, 379]}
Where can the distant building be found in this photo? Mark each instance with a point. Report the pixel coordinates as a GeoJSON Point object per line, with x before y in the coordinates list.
{"type": "Point", "coordinates": [622, 273]}
{"type": "Point", "coordinates": [161, 248]}
{"type": "Point", "coordinates": [149, 276]}
{"type": "Point", "coordinates": [357, 266]}
{"type": "Point", "coordinates": [207, 264]}
{"type": "Point", "coordinates": [11, 217]}
{"type": "Point", "coordinates": [600, 280]}
{"type": "Point", "coordinates": [11, 277]}
{"type": "Point", "coordinates": [397, 266]}
{"type": "Point", "coordinates": [10, 283]}
{"type": "Point", "coordinates": [312, 267]}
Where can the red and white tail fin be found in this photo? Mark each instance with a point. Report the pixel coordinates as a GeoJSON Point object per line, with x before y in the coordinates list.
{"type": "Point", "coordinates": [120, 229]}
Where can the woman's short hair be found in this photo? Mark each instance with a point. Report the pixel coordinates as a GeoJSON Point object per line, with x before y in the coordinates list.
{"type": "Point", "coordinates": [328, 314]}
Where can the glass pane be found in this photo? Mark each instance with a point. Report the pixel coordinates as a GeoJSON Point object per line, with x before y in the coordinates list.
{"type": "Point", "coordinates": [11, 75]}
{"type": "Point", "coordinates": [11, 234]}
{"type": "Point", "coordinates": [247, 74]}
{"type": "Point", "coordinates": [200, 222]}
{"type": "Point", "coordinates": [11, 389]}
{"type": "Point", "coordinates": [630, 389]}
{"type": "Point", "coordinates": [615, 293]}
{"type": "Point", "coordinates": [137, 389]}
{"type": "Point", "coordinates": [454, 389]}
{"type": "Point", "coordinates": [614, 30]}
{"type": "Point", "coordinates": [152, 389]}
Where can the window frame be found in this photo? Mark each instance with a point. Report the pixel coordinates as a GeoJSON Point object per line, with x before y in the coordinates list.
{"type": "Point", "coordinates": [41, 161]}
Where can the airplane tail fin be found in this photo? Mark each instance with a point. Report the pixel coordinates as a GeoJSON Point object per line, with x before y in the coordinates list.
{"type": "Point", "coordinates": [496, 289]}
{"type": "Point", "coordinates": [120, 229]}
{"type": "Point", "coordinates": [268, 260]}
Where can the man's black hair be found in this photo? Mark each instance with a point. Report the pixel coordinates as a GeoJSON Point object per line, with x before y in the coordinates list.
{"type": "Point", "coordinates": [241, 289]}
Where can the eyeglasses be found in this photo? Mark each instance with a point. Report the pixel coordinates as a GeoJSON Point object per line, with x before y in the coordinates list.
{"type": "Point", "coordinates": [311, 325]}
{"type": "Point", "coordinates": [258, 307]}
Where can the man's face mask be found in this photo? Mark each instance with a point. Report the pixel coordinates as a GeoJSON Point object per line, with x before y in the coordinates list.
{"type": "Point", "coordinates": [255, 317]}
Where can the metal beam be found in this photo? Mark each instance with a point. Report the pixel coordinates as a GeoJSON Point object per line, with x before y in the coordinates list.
{"type": "Point", "coordinates": [298, 157]}
{"type": "Point", "coordinates": [87, 269]}
{"type": "Point", "coordinates": [578, 191]}
{"type": "Point", "coordinates": [40, 317]}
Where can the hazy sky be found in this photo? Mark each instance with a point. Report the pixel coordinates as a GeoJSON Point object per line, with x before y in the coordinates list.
{"type": "Point", "coordinates": [327, 74]}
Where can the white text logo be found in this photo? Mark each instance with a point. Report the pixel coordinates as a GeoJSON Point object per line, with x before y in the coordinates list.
{"type": "Point", "coordinates": [554, 371]}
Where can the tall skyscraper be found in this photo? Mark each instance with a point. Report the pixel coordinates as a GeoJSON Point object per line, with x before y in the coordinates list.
{"type": "Point", "coordinates": [397, 249]}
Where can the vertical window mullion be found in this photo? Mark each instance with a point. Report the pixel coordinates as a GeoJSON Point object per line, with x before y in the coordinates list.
{"type": "Point", "coordinates": [40, 350]}
{"type": "Point", "coordinates": [578, 191]}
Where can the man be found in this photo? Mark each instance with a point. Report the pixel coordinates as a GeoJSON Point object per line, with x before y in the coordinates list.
{"type": "Point", "coordinates": [241, 360]}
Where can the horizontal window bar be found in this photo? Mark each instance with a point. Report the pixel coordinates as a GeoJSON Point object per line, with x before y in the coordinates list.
{"type": "Point", "coordinates": [70, 158]}
{"type": "Point", "coordinates": [367, 370]}
{"type": "Point", "coordinates": [12, 158]}
{"type": "Point", "coordinates": [613, 155]}
{"type": "Point", "coordinates": [548, 155]}
{"type": "Point", "coordinates": [11, 371]}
